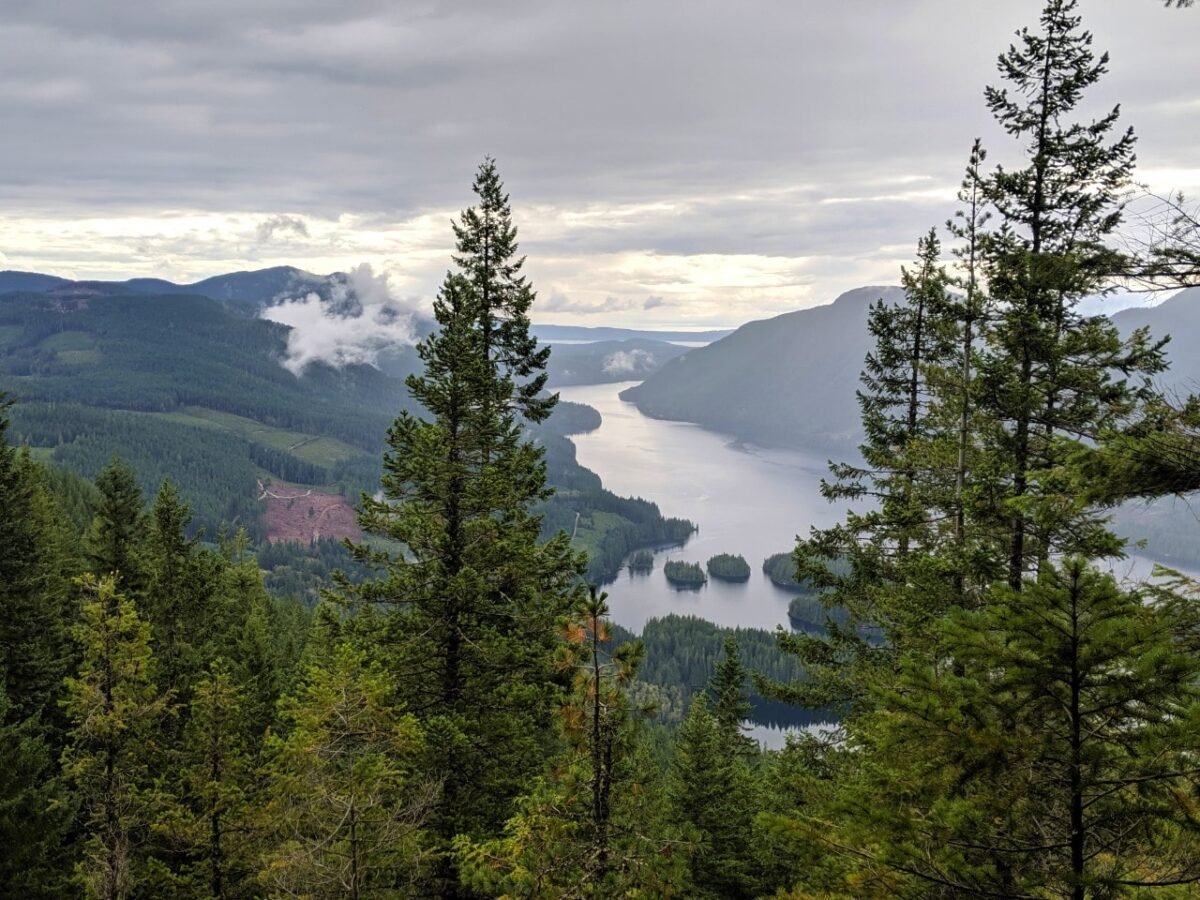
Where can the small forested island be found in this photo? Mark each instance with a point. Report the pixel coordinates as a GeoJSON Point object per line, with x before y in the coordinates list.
{"type": "Point", "coordinates": [685, 574]}
{"type": "Point", "coordinates": [808, 614]}
{"type": "Point", "coordinates": [641, 562]}
{"type": "Point", "coordinates": [780, 568]}
{"type": "Point", "coordinates": [729, 567]}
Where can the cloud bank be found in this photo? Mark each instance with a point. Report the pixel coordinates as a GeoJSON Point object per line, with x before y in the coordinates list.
{"type": "Point", "coordinates": [354, 322]}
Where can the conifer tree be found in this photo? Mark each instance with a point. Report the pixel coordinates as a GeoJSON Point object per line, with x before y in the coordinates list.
{"type": "Point", "coordinates": [731, 707]}
{"type": "Point", "coordinates": [711, 790]}
{"type": "Point", "coordinates": [590, 827]}
{"type": "Point", "coordinates": [210, 822]}
{"type": "Point", "coordinates": [35, 645]}
{"type": "Point", "coordinates": [114, 708]}
{"type": "Point", "coordinates": [35, 811]}
{"type": "Point", "coordinates": [478, 605]}
{"type": "Point", "coordinates": [114, 540]}
{"type": "Point", "coordinates": [1047, 377]}
{"type": "Point", "coordinates": [1053, 758]}
{"type": "Point", "coordinates": [345, 807]}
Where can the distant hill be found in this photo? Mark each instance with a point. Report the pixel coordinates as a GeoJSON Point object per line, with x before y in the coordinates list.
{"type": "Point", "coordinates": [189, 389]}
{"type": "Point", "coordinates": [790, 381]}
{"type": "Point", "coordinates": [584, 333]}
{"type": "Point", "coordinates": [246, 291]}
{"type": "Point", "coordinates": [1179, 317]}
{"type": "Point", "coordinates": [606, 361]}
{"type": "Point", "coordinates": [785, 382]}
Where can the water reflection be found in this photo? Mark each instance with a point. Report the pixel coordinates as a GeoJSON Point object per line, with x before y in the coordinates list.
{"type": "Point", "coordinates": [746, 500]}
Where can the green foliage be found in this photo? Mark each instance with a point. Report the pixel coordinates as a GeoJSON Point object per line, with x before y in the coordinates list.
{"type": "Point", "coordinates": [781, 569]}
{"type": "Point", "coordinates": [728, 567]}
{"type": "Point", "coordinates": [711, 791]}
{"type": "Point", "coordinates": [684, 573]}
{"type": "Point", "coordinates": [589, 828]}
{"type": "Point", "coordinates": [114, 708]}
{"type": "Point", "coordinates": [1046, 755]}
{"type": "Point", "coordinates": [473, 610]}
{"type": "Point", "coordinates": [642, 561]}
{"type": "Point", "coordinates": [345, 806]}
{"type": "Point", "coordinates": [35, 810]}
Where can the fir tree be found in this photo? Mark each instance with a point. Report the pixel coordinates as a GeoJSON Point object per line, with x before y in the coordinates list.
{"type": "Point", "coordinates": [210, 823]}
{"type": "Point", "coordinates": [1051, 758]}
{"type": "Point", "coordinates": [480, 601]}
{"type": "Point", "coordinates": [114, 708]}
{"type": "Point", "coordinates": [731, 706]}
{"type": "Point", "coordinates": [1047, 377]}
{"type": "Point", "coordinates": [35, 811]}
{"type": "Point", "coordinates": [35, 646]}
{"type": "Point", "coordinates": [345, 807]}
{"type": "Point", "coordinates": [114, 539]}
{"type": "Point", "coordinates": [590, 828]}
{"type": "Point", "coordinates": [711, 790]}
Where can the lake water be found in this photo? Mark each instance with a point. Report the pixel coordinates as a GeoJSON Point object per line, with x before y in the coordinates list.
{"type": "Point", "coordinates": [746, 500]}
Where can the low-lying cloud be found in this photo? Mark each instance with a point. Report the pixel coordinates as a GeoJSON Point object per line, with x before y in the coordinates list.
{"type": "Point", "coordinates": [629, 362]}
{"type": "Point", "coordinates": [353, 322]}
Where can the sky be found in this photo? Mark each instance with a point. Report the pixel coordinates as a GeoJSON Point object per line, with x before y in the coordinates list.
{"type": "Point", "coordinates": [675, 164]}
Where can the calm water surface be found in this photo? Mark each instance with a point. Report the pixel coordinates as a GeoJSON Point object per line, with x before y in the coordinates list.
{"type": "Point", "coordinates": [746, 500]}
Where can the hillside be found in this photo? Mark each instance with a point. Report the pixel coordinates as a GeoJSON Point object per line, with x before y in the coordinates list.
{"type": "Point", "coordinates": [245, 291]}
{"type": "Point", "coordinates": [187, 389]}
{"type": "Point", "coordinates": [787, 381]}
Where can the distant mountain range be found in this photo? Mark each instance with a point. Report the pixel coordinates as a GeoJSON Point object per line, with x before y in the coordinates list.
{"type": "Point", "coordinates": [553, 334]}
{"type": "Point", "coordinates": [245, 291]}
{"type": "Point", "coordinates": [782, 382]}
{"type": "Point", "coordinates": [790, 381]}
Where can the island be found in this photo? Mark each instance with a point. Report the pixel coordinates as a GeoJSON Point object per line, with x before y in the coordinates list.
{"type": "Point", "coordinates": [684, 574]}
{"type": "Point", "coordinates": [781, 569]}
{"type": "Point", "coordinates": [729, 567]}
{"type": "Point", "coordinates": [641, 562]}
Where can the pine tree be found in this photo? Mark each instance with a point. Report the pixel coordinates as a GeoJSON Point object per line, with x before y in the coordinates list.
{"type": "Point", "coordinates": [591, 827]}
{"type": "Point", "coordinates": [711, 790]}
{"type": "Point", "coordinates": [114, 708]}
{"type": "Point", "coordinates": [35, 646]}
{"type": "Point", "coordinates": [210, 822]}
{"type": "Point", "coordinates": [480, 601]}
{"type": "Point", "coordinates": [345, 808]}
{"type": "Point", "coordinates": [1047, 377]}
{"type": "Point", "coordinates": [731, 706]}
{"type": "Point", "coordinates": [35, 811]}
{"type": "Point", "coordinates": [1053, 758]}
{"type": "Point", "coordinates": [114, 539]}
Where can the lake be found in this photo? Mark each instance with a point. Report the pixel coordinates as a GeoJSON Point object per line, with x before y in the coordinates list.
{"type": "Point", "coordinates": [746, 500]}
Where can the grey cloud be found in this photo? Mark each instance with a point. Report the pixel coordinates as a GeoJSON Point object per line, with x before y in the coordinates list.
{"type": "Point", "coordinates": [749, 116]}
{"type": "Point", "coordinates": [269, 228]}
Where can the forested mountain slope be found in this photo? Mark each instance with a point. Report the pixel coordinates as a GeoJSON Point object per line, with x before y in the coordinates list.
{"type": "Point", "coordinates": [787, 381]}
{"type": "Point", "coordinates": [790, 381]}
{"type": "Point", "coordinates": [187, 389]}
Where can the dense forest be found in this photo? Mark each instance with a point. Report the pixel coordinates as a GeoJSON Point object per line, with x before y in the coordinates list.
{"type": "Point", "coordinates": [443, 709]}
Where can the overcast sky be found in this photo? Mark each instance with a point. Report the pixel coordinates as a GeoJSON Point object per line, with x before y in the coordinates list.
{"type": "Point", "coordinates": [695, 164]}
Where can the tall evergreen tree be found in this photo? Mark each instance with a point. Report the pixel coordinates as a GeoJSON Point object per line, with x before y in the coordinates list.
{"type": "Point", "coordinates": [35, 645]}
{"type": "Point", "coordinates": [1047, 378]}
{"type": "Point", "coordinates": [711, 790]}
{"type": "Point", "coordinates": [113, 542]}
{"type": "Point", "coordinates": [1047, 752]}
{"type": "Point", "coordinates": [345, 806]}
{"type": "Point", "coordinates": [114, 707]}
{"type": "Point", "coordinates": [731, 706]}
{"type": "Point", "coordinates": [590, 827]}
{"type": "Point", "coordinates": [480, 600]}
{"type": "Point", "coordinates": [210, 823]}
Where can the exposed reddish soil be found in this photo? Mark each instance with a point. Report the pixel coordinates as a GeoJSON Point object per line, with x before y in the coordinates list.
{"type": "Point", "coordinates": [302, 515]}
